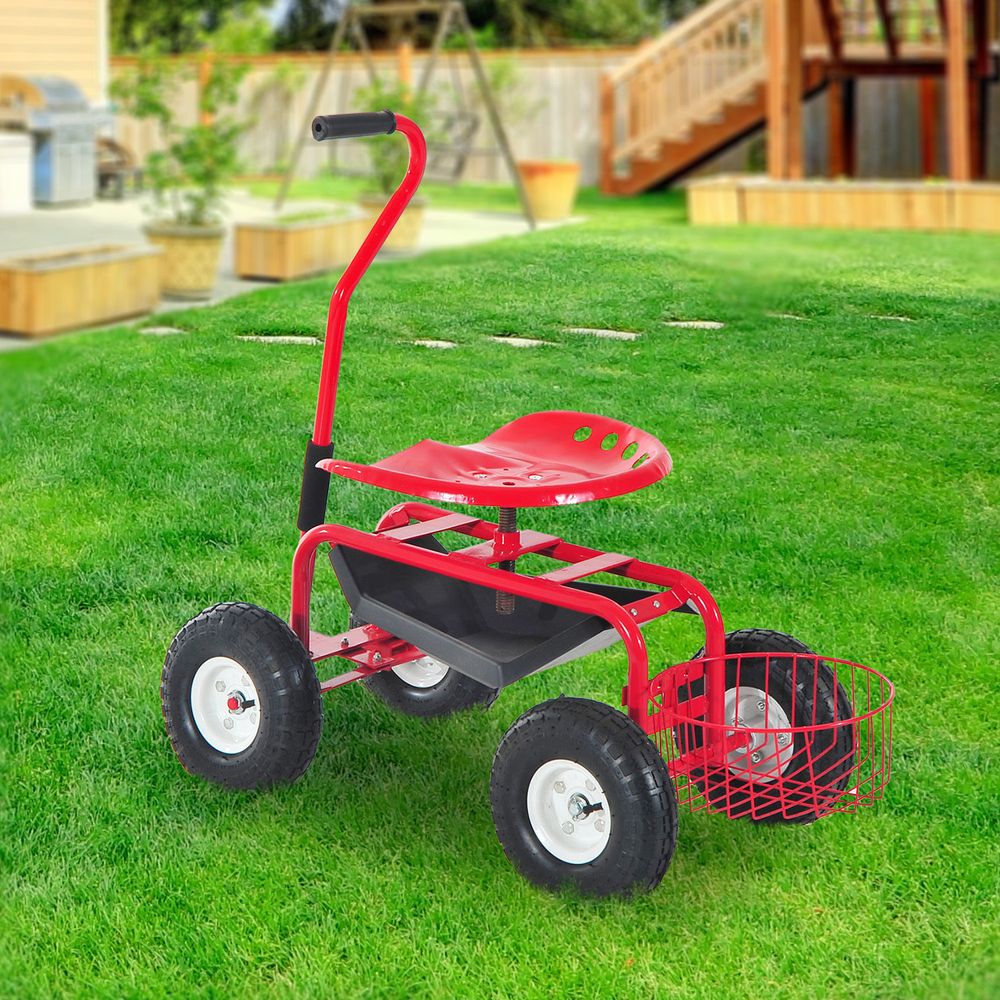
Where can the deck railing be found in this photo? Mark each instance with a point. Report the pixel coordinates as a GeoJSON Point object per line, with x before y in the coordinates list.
{"type": "Point", "coordinates": [912, 20]}
{"type": "Point", "coordinates": [684, 76]}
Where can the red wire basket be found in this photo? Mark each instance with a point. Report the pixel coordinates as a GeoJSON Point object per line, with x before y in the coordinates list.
{"type": "Point", "coordinates": [802, 735]}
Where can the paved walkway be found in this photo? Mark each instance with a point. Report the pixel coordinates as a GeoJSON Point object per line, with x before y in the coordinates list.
{"type": "Point", "coordinates": [121, 222]}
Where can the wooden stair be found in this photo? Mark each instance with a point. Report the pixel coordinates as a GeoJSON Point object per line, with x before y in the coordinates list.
{"type": "Point", "coordinates": [683, 96]}
{"type": "Point", "coordinates": [701, 85]}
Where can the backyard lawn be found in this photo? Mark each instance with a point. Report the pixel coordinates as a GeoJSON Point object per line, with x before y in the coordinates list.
{"type": "Point", "coordinates": [835, 448]}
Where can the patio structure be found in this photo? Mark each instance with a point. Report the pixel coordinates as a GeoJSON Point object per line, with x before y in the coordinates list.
{"type": "Point", "coordinates": [739, 65]}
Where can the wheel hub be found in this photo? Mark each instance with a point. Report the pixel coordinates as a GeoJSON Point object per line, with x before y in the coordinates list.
{"type": "Point", "coordinates": [422, 673]}
{"type": "Point", "coordinates": [567, 812]}
{"type": "Point", "coordinates": [224, 704]}
{"type": "Point", "coordinates": [770, 749]}
{"type": "Point", "coordinates": [238, 703]}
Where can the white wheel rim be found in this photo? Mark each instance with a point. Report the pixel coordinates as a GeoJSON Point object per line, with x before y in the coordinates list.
{"type": "Point", "coordinates": [422, 673]}
{"type": "Point", "coordinates": [767, 756]}
{"type": "Point", "coordinates": [561, 797]}
{"type": "Point", "coordinates": [225, 705]}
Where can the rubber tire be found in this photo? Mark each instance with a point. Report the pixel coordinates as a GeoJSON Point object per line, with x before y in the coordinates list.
{"type": "Point", "coordinates": [837, 744]}
{"type": "Point", "coordinates": [453, 693]}
{"type": "Point", "coordinates": [291, 706]}
{"type": "Point", "coordinates": [636, 784]}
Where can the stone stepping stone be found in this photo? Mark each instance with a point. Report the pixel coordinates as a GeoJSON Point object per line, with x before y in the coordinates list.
{"type": "Point", "coordinates": [160, 331]}
{"type": "Point", "coordinates": [604, 334]}
{"type": "Point", "coordinates": [521, 342]}
{"type": "Point", "coordinates": [801, 319]}
{"type": "Point", "coordinates": [695, 324]}
{"type": "Point", "coordinates": [439, 345]}
{"type": "Point", "coordinates": [311, 341]}
{"type": "Point", "coordinates": [891, 319]}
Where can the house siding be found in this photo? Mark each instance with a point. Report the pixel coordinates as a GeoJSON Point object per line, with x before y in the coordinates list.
{"type": "Point", "coordinates": [65, 38]}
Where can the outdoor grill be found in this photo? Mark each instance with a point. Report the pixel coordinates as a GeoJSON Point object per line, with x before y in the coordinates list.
{"type": "Point", "coordinates": [64, 129]}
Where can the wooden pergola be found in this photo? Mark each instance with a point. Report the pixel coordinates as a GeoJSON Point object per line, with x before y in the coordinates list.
{"type": "Point", "coordinates": [955, 46]}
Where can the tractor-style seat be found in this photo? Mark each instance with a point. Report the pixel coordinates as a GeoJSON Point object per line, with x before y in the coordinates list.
{"type": "Point", "coordinates": [541, 460]}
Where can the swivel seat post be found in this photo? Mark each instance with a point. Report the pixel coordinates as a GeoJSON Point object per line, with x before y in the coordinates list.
{"type": "Point", "coordinates": [507, 538]}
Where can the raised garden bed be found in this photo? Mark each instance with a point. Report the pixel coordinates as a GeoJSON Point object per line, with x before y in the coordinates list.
{"type": "Point", "coordinates": [67, 289]}
{"type": "Point", "coordinates": [297, 245]}
{"type": "Point", "coordinates": [937, 205]}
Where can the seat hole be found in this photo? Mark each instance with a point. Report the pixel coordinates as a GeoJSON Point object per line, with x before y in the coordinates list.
{"type": "Point", "coordinates": [582, 433]}
{"type": "Point", "coordinates": [508, 482]}
{"type": "Point", "coordinates": [630, 450]}
{"type": "Point", "coordinates": [610, 441]}
{"type": "Point", "coordinates": [639, 461]}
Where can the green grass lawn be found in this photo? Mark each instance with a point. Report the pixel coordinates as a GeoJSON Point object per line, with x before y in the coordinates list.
{"type": "Point", "coordinates": [835, 477]}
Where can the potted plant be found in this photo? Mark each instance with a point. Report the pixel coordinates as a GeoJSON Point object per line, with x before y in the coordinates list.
{"type": "Point", "coordinates": [187, 175]}
{"type": "Point", "coordinates": [550, 184]}
{"type": "Point", "coordinates": [388, 158]}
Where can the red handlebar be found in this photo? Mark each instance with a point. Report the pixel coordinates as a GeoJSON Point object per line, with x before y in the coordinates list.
{"type": "Point", "coordinates": [337, 316]}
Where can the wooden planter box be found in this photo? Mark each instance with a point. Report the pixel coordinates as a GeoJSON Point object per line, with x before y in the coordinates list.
{"type": "Point", "coordinates": [716, 201]}
{"type": "Point", "coordinates": [69, 289]}
{"type": "Point", "coordinates": [977, 207]}
{"type": "Point", "coordinates": [405, 234]}
{"type": "Point", "coordinates": [731, 200]}
{"type": "Point", "coordinates": [281, 251]}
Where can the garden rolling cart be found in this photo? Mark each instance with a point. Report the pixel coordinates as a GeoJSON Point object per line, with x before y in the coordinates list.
{"type": "Point", "coordinates": [755, 725]}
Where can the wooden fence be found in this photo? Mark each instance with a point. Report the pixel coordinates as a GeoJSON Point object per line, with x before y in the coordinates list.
{"type": "Point", "coordinates": [551, 113]}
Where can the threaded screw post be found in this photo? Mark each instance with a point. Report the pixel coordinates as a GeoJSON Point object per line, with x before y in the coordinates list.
{"type": "Point", "coordinates": [507, 525]}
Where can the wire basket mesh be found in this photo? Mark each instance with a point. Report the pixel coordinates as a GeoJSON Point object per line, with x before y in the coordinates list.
{"type": "Point", "coordinates": [801, 736]}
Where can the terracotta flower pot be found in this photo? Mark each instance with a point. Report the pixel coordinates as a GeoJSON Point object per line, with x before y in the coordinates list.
{"type": "Point", "coordinates": [407, 231]}
{"type": "Point", "coordinates": [550, 186]}
{"type": "Point", "coordinates": [190, 258]}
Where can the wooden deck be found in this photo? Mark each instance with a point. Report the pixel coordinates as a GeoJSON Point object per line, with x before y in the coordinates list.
{"type": "Point", "coordinates": [757, 200]}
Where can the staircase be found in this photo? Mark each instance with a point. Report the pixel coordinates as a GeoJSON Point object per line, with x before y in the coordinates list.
{"type": "Point", "coordinates": [683, 96]}
{"type": "Point", "coordinates": [701, 85]}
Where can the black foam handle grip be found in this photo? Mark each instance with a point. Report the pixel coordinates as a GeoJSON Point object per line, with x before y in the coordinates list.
{"type": "Point", "coordinates": [353, 126]}
{"type": "Point", "coordinates": [315, 487]}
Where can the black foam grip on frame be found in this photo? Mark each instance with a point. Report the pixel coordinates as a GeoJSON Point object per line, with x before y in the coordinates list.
{"type": "Point", "coordinates": [353, 126]}
{"type": "Point", "coordinates": [315, 487]}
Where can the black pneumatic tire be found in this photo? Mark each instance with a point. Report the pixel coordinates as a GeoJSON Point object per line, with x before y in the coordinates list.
{"type": "Point", "coordinates": [640, 798]}
{"type": "Point", "coordinates": [453, 693]}
{"type": "Point", "coordinates": [831, 750]}
{"type": "Point", "coordinates": [290, 705]}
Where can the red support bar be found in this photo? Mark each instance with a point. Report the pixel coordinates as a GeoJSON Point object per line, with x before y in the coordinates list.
{"type": "Point", "coordinates": [602, 563]}
{"type": "Point", "coordinates": [421, 529]}
{"type": "Point", "coordinates": [337, 316]}
{"type": "Point", "coordinates": [341, 679]}
{"type": "Point", "coordinates": [657, 605]}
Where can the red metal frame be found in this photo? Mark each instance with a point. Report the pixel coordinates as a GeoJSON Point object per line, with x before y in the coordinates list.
{"type": "Point", "coordinates": [474, 564]}
{"type": "Point", "coordinates": [337, 316]}
{"type": "Point", "coordinates": [651, 702]}
{"type": "Point", "coordinates": [370, 649]}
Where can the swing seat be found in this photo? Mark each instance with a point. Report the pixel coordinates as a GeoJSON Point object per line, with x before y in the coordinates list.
{"type": "Point", "coordinates": [544, 459]}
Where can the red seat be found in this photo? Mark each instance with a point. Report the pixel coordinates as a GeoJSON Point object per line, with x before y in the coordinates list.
{"type": "Point", "coordinates": [541, 460]}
